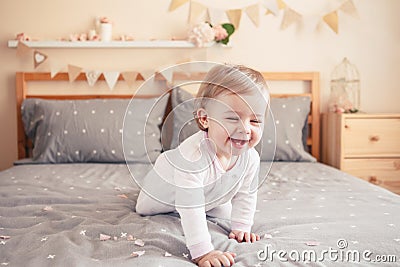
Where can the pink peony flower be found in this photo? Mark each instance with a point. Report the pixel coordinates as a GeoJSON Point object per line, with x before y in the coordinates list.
{"type": "Point", "coordinates": [201, 34]}
{"type": "Point", "coordinates": [220, 32]}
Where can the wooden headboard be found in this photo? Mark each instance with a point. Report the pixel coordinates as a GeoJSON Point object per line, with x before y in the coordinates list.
{"type": "Point", "coordinates": [23, 78]}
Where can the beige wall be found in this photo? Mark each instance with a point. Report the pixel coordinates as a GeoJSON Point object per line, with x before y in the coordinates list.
{"type": "Point", "coordinates": [371, 42]}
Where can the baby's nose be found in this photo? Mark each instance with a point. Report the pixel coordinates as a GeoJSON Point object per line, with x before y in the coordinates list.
{"type": "Point", "coordinates": [244, 127]}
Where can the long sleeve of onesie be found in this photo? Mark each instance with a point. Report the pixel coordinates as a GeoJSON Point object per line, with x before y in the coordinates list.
{"type": "Point", "coordinates": [190, 201]}
{"type": "Point", "coordinates": [245, 200]}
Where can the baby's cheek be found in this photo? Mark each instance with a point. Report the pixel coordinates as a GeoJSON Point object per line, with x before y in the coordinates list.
{"type": "Point", "coordinates": [255, 139]}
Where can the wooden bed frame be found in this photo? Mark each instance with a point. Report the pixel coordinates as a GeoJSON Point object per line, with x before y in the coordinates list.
{"type": "Point", "coordinates": [22, 79]}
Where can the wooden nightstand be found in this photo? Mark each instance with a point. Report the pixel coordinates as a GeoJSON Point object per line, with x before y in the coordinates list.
{"type": "Point", "coordinates": [364, 145]}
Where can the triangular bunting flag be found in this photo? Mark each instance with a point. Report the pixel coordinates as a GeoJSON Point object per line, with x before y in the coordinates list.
{"type": "Point", "coordinates": [92, 76]}
{"type": "Point", "coordinates": [176, 3]}
{"type": "Point", "coordinates": [349, 8]}
{"type": "Point", "coordinates": [22, 49]}
{"type": "Point", "coordinates": [111, 78]}
{"type": "Point", "coordinates": [281, 4]}
{"type": "Point", "coordinates": [289, 17]}
{"type": "Point", "coordinates": [55, 67]}
{"type": "Point", "coordinates": [332, 20]}
{"type": "Point", "coordinates": [146, 74]}
{"type": "Point", "coordinates": [38, 58]}
{"type": "Point", "coordinates": [196, 10]}
{"type": "Point", "coordinates": [167, 74]}
{"type": "Point", "coordinates": [73, 72]}
{"type": "Point", "coordinates": [130, 77]}
{"type": "Point", "coordinates": [215, 15]}
{"type": "Point", "coordinates": [234, 16]}
{"type": "Point", "coordinates": [271, 6]}
{"type": "Point", "coordinates": [253, 12]}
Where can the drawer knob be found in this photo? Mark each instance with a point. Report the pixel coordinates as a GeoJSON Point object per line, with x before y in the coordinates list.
{"type": "Point", "coordinates": [374, 180]}
{"type": "Point", "coordinates": [374, 138]}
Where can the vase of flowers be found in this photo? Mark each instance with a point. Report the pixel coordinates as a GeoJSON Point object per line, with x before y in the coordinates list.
{"type": "Point", "coordinates": [204, 33]}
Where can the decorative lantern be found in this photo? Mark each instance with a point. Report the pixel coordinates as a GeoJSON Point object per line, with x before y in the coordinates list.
{"type": "Point", "coordinates": [345, 88]}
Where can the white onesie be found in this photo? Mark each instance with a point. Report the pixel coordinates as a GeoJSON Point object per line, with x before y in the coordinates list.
{"type": "Point", "coordinates": [191, 181]}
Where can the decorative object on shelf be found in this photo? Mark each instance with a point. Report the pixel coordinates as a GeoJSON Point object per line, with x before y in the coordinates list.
{"type": "Point", "coordinates": [223, 32]}
{"type": "Point", "coordinates": [345, 88]}
{"type": "Point", "coordinates": [201, 34]}
{"type": "Point", "coordinates": [204, 33]}
{"type": "Point", "coordinates": [105, 29]}
{"type": "Point", "coordinates": [327, 15]}
{"type": "Point", "coordinates": [23, 37]}
{"type": "Point", "coordinates": [38, 58]}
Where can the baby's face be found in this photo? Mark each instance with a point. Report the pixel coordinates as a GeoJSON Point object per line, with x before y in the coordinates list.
{"type": "Point", "coordinates": [235, 123]}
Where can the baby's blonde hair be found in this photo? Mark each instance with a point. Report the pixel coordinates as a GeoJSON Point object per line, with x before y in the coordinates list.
{"type": "Point", "coordinates": [229, 79]}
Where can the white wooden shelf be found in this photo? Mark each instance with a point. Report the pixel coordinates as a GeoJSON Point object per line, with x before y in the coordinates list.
{"type": "Point", "coordinates": [112, 44]}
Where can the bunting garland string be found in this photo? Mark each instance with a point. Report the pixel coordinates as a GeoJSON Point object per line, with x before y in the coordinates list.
{"type": "Point", "coordinates": [274, 7]}
{"type": "Point", "coordinates": [92, 76]}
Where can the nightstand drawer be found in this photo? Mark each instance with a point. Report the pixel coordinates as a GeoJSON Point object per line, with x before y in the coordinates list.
{"type": "Point", "coordinates": [383, 172]}
{"type": "Point", "coordinates": [371, 137]}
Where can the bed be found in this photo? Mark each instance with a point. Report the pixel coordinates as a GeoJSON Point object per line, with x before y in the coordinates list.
{"type": "Point", "coordinates": [77, 208]}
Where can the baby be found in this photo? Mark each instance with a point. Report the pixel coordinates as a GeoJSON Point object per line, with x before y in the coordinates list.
{"type": "Point", "coordinates": [214, 172]}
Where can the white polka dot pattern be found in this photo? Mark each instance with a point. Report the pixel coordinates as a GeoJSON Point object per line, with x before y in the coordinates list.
{"type": "Point", "coordinates": [290, 116]}
{"type": "Point", "coordinates": [92, 130]}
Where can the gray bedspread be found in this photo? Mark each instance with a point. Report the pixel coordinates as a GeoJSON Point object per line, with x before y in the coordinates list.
{"type": "Point", "coordinates": [308, 214]}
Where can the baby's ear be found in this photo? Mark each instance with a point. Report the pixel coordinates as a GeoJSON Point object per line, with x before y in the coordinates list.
{"type": "Point", "coordinates": [203, 117]}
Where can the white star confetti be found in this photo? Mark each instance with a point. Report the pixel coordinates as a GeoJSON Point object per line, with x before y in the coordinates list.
{"type": "Point", "coordinates": [312, 243]}
{"type": "Point", "coordinates": [47, 208]}
{"type": "Point", "coordinates": [123, 234]}
{"type": "Point", "coordinates": [139, 242]}
{"type": "Point", "coordinates": [137, 253]}
{"type": "Point", "coordinates": [167, 254]}
{"type": "Point", "coordinates": [2, 242]}
{"type": "Point", "coordinates": [267, 236]}
{"type": "Point", "coordinates": [83, 232]}
{"type": "Point", "coordinates": [51, 256]}
{"type": "Point", "coordinates": [163, 230]}
{"type": "Point", "coordinates": [104, 237]}
{"type": "Point", "coordinates": [43, 239]}
{"type": "Point", "coordinates": [185, 255]}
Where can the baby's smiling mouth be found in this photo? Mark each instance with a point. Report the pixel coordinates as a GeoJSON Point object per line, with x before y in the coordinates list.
{"type": "Point", "coordinates": [239, 142]}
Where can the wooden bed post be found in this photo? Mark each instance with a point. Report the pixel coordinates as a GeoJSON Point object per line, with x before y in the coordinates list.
{"type": "Point", "coordinates": [315, 126]}
{"type": "Point", "coordinates": [21, 94]}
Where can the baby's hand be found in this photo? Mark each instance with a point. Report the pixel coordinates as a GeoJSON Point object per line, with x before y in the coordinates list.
{"type": "Point", "coordinates": [243, 236]}
{"type": "Point", "coordinates": [216, 258]}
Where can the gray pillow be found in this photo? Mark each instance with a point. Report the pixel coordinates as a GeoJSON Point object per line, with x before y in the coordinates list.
{"type": "Point", "coordinates": [184, 124]}
{"type": "Point", "coordinates": [290, 116]}
{"type": "Point", "coordinates": [66, 131]}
